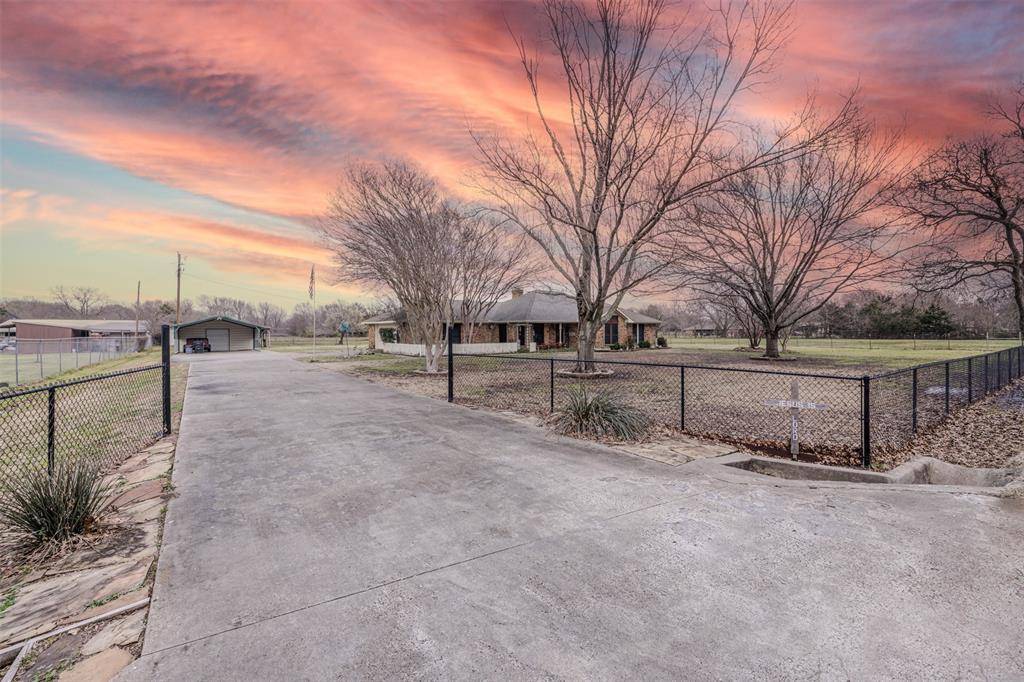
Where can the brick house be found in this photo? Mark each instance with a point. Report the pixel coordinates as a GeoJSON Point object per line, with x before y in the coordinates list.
{"type": "Point", "coordinates": [535, 319]}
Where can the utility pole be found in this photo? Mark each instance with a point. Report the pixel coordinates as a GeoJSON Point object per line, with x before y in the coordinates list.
{"type": "Point", "coordinates": [138, 302]}
{"type": "Point", "coordinates": [312, 295]}
{"type": "Point", "coordinates": [177, 303]}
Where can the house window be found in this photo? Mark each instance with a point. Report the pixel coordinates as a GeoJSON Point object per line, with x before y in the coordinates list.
{"type": "Point", "coordinates": [611, 331]}
{"type": "Point", "coordinates": [456, 332]}
{"type": "Point", "coordinates": [502, 333]}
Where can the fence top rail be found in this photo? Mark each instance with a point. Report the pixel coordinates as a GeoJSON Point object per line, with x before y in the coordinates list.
{"type": "Point", "coordinates": [118, 337]}
{"type": "Point", "coordinates": [748, 370]}
{"type": "Point", "coordinates": [937, 363]}
{"type": "Point", "coordinates": [84, 380]}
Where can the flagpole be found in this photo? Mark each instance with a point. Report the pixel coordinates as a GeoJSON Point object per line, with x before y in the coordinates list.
{"type": "Point", "coordinates": [314, 315]}
{"type": "Point", "coordinates": [312, 295]}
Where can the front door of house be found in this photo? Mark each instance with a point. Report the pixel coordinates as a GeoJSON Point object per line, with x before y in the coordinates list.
{"type": "Point", "coordinates": [521, 333]}
{"type": "Point", "coordinates": [639, 333]}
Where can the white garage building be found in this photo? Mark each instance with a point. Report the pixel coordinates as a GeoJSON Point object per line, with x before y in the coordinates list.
{"type": "Point", "coordinates": [221, 333]}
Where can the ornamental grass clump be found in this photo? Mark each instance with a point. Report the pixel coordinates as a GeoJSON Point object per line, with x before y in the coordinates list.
{"type": "Point", "coordinates": [53, 507]}
{"type": "Point", "coordinates": [599, 415]}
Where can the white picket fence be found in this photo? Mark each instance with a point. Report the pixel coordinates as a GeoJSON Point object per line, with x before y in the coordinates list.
{"type": "Point", "coordinates": [419, 350]}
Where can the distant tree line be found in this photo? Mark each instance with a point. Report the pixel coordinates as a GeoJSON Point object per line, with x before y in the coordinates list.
{"type": "Point", "coordinates": [88, 303]}
{"type": "Point", "coordinates": [862, 314]}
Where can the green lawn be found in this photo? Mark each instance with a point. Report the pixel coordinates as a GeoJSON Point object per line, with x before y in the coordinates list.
{"type": "Point", "coordinates": [102, 420]}
{"type": "Point", "coordinates": [29, 368]}
{"type": "Point", "coordinates": [857, 352]}
{"type": "Point", "coordinates": [326, 345]}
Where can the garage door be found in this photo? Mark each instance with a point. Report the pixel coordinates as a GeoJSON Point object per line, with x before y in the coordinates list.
{"type": "Point", "coordinates": [219, 339]}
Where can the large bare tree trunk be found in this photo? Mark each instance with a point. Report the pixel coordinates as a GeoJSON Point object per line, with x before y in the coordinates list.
{"type": "Point", "coordinates": [433, 353]}
{"type": "Point", "coordinates": [1017, 276]}
{"type": "Point", "coordinates": [588, 329]}
{"type": "Point", "coordinates": [771, 343]}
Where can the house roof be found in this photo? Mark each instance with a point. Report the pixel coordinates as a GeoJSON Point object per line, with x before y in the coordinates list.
{"type": "Point", "coordinates": [85, 325]}
{"type": "Point", "coordinates": [380, 319]}
{"type": "Point", "coordinates": [532, 306]}
{"type": "Point", "coordinates": [218, 318]}
{"type": "Point", "coordinates": [632, 315]}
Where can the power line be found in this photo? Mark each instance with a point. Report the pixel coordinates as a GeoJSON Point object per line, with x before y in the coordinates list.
{"type": "Point", "coordinates": [239, 286]}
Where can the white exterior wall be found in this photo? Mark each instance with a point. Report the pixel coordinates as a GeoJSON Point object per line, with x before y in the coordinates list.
{"type": "Point", "coordinates": [240, 337]}
{"type": "Point", "coordinates": [418, 349]}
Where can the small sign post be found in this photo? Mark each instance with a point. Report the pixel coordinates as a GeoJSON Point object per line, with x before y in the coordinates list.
{"type": "Point", "coordinates": [343, 329]}
{"type": "Point", "coordinates": [795, 405]}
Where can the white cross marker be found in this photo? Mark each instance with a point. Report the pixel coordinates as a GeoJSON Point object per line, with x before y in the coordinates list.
{"type": "Point", "coordinates": [795, 405]}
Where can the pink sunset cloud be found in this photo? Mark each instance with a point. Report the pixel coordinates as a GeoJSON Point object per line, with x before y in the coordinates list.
{"type": "Point", "coordinates": [259, 105]}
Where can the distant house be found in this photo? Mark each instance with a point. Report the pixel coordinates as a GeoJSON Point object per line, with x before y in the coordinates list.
{"type": "Point", "coordinates": [67, 329]}
{"type": "Point", "coordinates": [30, 333]}
{"type": "Point", "coordinates": [533, 320]}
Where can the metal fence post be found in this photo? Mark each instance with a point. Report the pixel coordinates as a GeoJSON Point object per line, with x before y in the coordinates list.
{"type": "Point", "coordinates": [451, 370]}
{"type": "Point", "coordinates": [985, 392]}
{"type": "Point", "coordinates": [865, 427]}
{"type": "Point", "coordinates": [682, 397]}
{"type": "Point", "coordinates": [913, 400]}
{"type": "Point", "coordinates": [51, 427]}
{"type": "Point", "coordinates": [970, 380]}
{"type": "Point", "coordinates": [947, 387]}
{"type": "Point", "coordinates": [165, 361]}
{"type": "Point", "coordinates": [551, 408]}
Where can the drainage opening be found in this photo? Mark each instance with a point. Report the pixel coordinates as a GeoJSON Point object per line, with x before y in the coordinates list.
{"type": "Point", "coordinates": [921, 471]}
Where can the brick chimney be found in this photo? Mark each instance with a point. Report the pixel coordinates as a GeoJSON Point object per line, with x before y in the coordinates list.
{"type": "Point", "coordinates": [516, 293]}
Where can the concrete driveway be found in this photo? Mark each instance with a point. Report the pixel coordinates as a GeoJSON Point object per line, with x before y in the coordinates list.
{"type": "Point", "coordinates": [328, 528]}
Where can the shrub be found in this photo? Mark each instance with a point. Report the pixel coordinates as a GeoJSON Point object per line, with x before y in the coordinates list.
{"type": "Point", "coordinates": [645, 344]}
{"type": "Point", "coordinates": [387, 335]}
{"type": "Point", "coordinates": [600, 415]}
{"type": "Point", "coordinates": [55, 507]}
{"type": "Point", "coordinates": [662, 342]}
{"type": "Point", "coordinates": [615, 346]}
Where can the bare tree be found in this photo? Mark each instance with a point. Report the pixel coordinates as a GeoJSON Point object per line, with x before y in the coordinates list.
{"type": "Point", "coordinates": [81, 301]}
{"type": "Point", "coordinates": [270, 316]}
{"type": "Point", "coordinates": [788, 237]}
{"type": "Point", "coordinates": [491, 263]}
{"type": "Point", "coordinates": [649, 130]}
{"type": "Point", "coordinates": [240, 310]}
{"type": "Point", "coordinates": [735, 311]}
{"type": "Point", "coordinates": [969, 198]}
{"type": "Point", "coordinates": [157, 313]}
{"type": "Point", "coordinates": [390, 227]}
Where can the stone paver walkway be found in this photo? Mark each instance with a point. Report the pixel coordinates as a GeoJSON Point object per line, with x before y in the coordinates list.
{"type": "Point", "coordinates": [102, 575]}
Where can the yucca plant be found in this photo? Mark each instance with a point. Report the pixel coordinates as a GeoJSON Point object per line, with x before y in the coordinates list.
{"type": "Point", "coordinates": [55, 506]}
{"type": "Point", "coordinates": [599, 415]}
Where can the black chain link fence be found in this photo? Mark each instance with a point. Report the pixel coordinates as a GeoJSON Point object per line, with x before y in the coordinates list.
{"type": "Point", "coordinates": [840, 417]}
{"type": "Point", "coordinates": [102, 418]}
{"type": "Point", "coordinates": [912, 400]}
